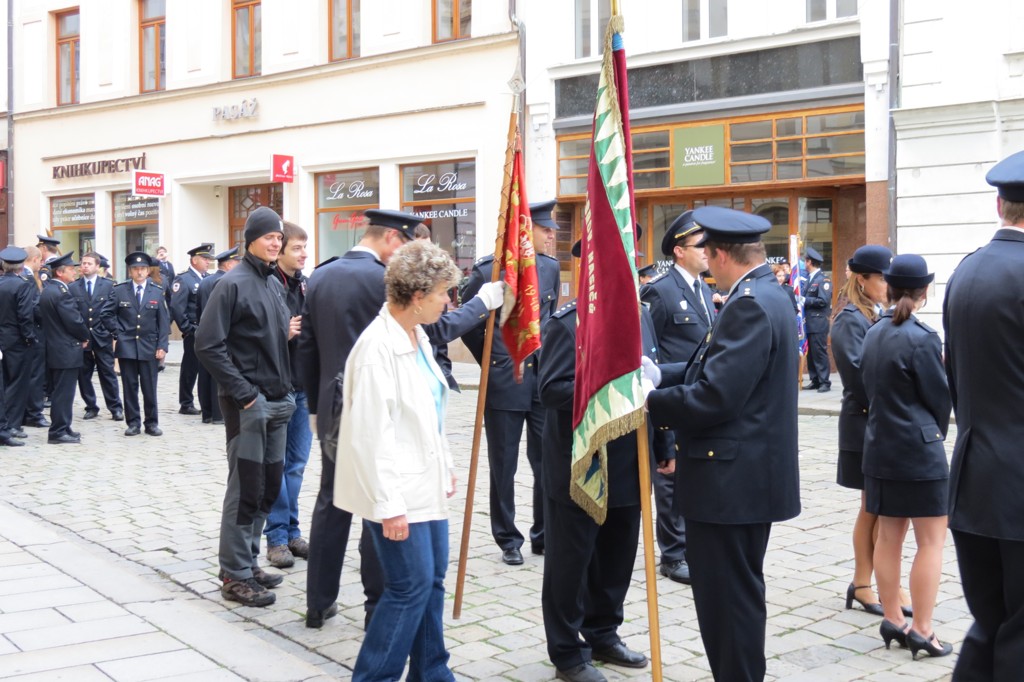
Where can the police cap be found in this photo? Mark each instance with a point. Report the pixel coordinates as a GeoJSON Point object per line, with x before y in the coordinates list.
{"type": "Point", "coordinates": [729, 226]}
{"type": "Point", "coordinates": [812, 254]}
{"type": "Point", "coordinates": [681, 228]}
{"type": "Point", "coordinates": [1007, 176]}
{"type": "Point", "coordinates": [870, 259]}
{"type": "Point", "coordinates": [49, 241]}
{"type": "Point", "coordinates": [13, 255]}
{"type": "Point", "coordinates": [230, 254]}
{"type": "Point", "coordinates": [61, 261]}
{"type": "Point", "coordinates": [648, 270]}
{"type": "Point", "coordinates": [138, 259]}
{"type": "Point", "coordinates": [909, 271]}
{"type": "Point", "coordinates": [403, 222]}
{"type": "Point", "coordinates": [205, 250]}
{"type": "Point", "coordinates": [540, 213]}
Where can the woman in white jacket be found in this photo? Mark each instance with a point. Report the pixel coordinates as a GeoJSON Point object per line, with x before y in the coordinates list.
{"type": "Point", "coordinates": [394, 468]}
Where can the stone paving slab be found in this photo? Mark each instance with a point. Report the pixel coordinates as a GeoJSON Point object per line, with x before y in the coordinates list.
{"type": "Point", "coordinates": [142, 514]}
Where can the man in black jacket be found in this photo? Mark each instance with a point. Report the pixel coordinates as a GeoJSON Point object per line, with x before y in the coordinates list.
{"type": "Point", "coordinates": [17, 339]}
{"type": "Point", "coordinates": [817, 316]}
{"type": "Point", "coordinates": [243, 341]}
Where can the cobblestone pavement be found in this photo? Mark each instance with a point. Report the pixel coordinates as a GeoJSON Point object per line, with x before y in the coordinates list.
{"type": "Point", "coordinates": [151, 507]}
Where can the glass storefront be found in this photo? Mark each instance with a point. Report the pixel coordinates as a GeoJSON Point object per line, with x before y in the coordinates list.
{"type": "Point", "coordinates": [342, 197]}
{"type": "Point", "coordinates": [73, 222]}
{"type": "Point", "coordinates": [444, 196]}
{"type": "Point", "coordinates": [136, 228]}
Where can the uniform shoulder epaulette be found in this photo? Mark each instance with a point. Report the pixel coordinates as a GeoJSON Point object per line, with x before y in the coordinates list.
{"type": "Point", "coordinates": [182, 273]}
{"type": "Point", "coordinates": [121, 284]}
{"type": "Point", "coordinates": [565, 309]}
{"type": "Point", "coordinates": [158, 286]}
{"type": "Point", "coordinates": [747, 287]}
{"type": "Point", "coordinates": [924, 326]}
{"type": "Point", "coordinates": [657, 278]}
{"type": "Point", "coordinates": [485, 259]}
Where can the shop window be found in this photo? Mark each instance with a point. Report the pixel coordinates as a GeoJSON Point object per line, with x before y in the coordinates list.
{"type": "Point", "coordinates": [245, 200]}
{"type": "Point", "coordinates": [815, 228]}
{"type": "Point", "coordinates": [444, 196]}
{"type": "Point", "coordinates": [344, 28]}
{"type": "Point", "coordinates": [68, 50]}
{"type": "Point", "coordinates": [820, 10]}
{"type": "Point", "coordinates": [73, 222]}
{"type": "Point", "coordinates": [452, 19]}
{"type": "Point", "coordinates": [152, 39]}
{"type": "Point", "coordinates": [591, 19]}
{"type": "Point", "coordinates": [342, 198]}
{"type": "Point", "coordinates": [136, 227]}
{"type": "Point", "coordinates": [716, 13]}
{"type": "Point", "coordinates": [247, 42]}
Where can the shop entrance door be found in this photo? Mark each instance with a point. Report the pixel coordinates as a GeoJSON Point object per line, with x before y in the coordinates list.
{"type": "Point", "coordinates": [244, 200]}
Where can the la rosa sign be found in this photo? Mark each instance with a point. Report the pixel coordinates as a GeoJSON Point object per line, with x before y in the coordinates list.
{"type": "Point", "coordinates": [148, 184]}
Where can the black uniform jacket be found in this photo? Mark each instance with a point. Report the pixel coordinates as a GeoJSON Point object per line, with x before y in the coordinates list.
{"type": "Point", "coordinates": [679, 319]}
{"type": "Point", "coordinates": [557, 379]}
{"type": "Point", "coordinates": [734, 411]}
{"type": "Point", "coordinates": [98, 311]}
{"type": "Point", "coordinates": [985, 366]}
{"type": "Point", "coordinates": [908, 401]}
{"type": "Point", "coordinates": [848, 330]}
{"type": "Point", "coordinates": [503, 393]}
{"type": "Point", "coordinates": [17, 311]}
{"type": "Point", "coordinates": [141, 329]}
{"type": "Point", "coordinates": [184, 298]}
{"type": "Point", "coordinates": [817, 303]}
{"type": "Point", "coordinates": [205, 290]}
{"type": "Point", "coordinates": [243, 337]}
{"type": "Point", "coordinates": [63, 326]}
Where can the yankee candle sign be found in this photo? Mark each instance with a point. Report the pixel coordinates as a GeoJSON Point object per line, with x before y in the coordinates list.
{"type": "Point", "coordinates": [148, 184]}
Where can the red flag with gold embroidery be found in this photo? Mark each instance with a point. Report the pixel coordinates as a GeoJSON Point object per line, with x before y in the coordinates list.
{"type": "Point", "coordinates": [520, 313]}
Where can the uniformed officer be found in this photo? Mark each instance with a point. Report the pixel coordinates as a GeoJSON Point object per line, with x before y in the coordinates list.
{"type": "Point", "coordinates": [983, 327]}
{"type": "Point", "coordinates": [184, 295]}
{"type": "Point", "coordinates": [66, 335]}
{"type": "Point", "coordinates": [817, 314]}
{"type": "Point", "coordinates": [509, 405]}
{"type": "Point", "coordinates": [93, 294]}
{"type": "Point", "coordinates": [17, 339]}
{"type": "Point", "coordinates": [208, 401]}
{"type": "Point", "coordinates": [647, 273]}
{"type": "Point", "coordinates": [734, 411]}
{"type": "Point", "coordinates": [49, 246]}
{"type": "Point", "coordinates": [34, 415]}
{"type": "Point", "coordinates": [682, 310]}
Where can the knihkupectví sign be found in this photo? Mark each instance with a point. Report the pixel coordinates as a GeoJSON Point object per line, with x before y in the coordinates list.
{"type": "Point", "coordinates": [77, 170]}
{"type": "Point", "coordinates": [148, 184]}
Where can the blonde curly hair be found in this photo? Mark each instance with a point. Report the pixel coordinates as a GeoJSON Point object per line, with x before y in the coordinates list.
{"type": "Point", "coordinates": [418, 266]}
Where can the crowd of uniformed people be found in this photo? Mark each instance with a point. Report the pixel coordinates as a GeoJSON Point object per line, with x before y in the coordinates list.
{"type": "Point", "coordinates": [361, 346]}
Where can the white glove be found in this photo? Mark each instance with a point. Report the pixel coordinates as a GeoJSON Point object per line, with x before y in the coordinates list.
{"type": "Point", "coordinates": [650, 371]}
{"type": "Point", "coordinates": [647, 387]}
{"type": "Point", "coordinates": [492, 294]}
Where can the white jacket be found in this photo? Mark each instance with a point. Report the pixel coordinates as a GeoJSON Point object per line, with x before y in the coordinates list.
{"type": "Point", "coordinates": [392, 459]}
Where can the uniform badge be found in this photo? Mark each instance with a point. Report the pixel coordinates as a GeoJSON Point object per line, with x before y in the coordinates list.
{"type": "Point", "coordinates": [825, 286]}
{"type": "Point", "coordinates": [682, 304]}
{"type": "Point", "coordinates": [175, 287]}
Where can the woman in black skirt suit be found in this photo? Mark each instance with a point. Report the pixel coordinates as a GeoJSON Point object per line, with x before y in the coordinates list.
{"type": "Point", "coordinates": [905, 467]}
{"type": "Point", "coordinates": [866, 292]}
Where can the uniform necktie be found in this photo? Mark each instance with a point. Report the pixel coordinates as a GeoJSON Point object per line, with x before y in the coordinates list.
{"type": "Point", "coordinates": [700, 297]}
{"type": "Point", "coordinates": [138, 294]}
{"type": "Point", "coordinates": [88, 287]}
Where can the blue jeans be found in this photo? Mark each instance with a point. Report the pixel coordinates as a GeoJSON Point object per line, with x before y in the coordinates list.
{"type": "Point", "coordinates": [283, 520]}
{"type": "Point", "coordinates": [408, 620]}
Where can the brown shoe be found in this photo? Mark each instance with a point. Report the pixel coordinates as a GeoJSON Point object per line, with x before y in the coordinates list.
{"type": "Point", "coordinates": [299, 547]}
{"type": "Point", "coordinates": [265, 579]}
{"type": "Point", "coordinates": [247, 592]}
{"type": "Point", "coordinates": [279, 556]}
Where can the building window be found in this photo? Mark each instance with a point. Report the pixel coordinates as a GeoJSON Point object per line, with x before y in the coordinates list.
{"type": "Point", "coordinates": [344, 26]}
{"type": "Point", "coordinates": [342, 198]}
{"type": "Point", "coordinates": [245, 200]}
{"type": "Point", "coordinates": [820, 10]}
{"type": "Point", "coordinates": [444, 196]}
{"type": "Point", "coordinates": [705, 19]}
{"type": "Point", "coordinates": [67, 57]}
{"type": "Point", "coordinates": [247, 29]}
{"type": "Point", "coordinates": [136, 226]}
{"type": "Point", "coordinates": [73, 222]}
{"type": "Point", "coordinates": [152, 66]}
{"type": "Point", "coordinates": [452, 19]}
{"type": "Point", "coordinates": [590, 33]}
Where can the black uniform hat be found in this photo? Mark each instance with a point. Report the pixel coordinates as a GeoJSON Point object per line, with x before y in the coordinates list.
{"type": "Point", "coordinates": [13, 255]}
{"type": "Point", "coordinates": [870, 259]}
{"type": "Point", "coordinates": [812, 254]}
{"type": "Point", "coordinates": [230, 254]}
{"type": "Point", "coordinates": [139, 259]}
{"type": "Point", "coordinates": [403, 222]}
{"type": "Point", "coordinates": [909, 271]}
{"type": "Point", "coordinates": [1008, 177]}
{"type": "Point", "coordinates": [205, 250]}
{"type": "Point", "coordinates": [577, 248]}
{"type": "Point", "coordinates": [540, 213]}
{"type": "Point", "coordinates": [681, 228]}
{"type": "Point", "coordinates": [61, 261]}
{"type": "Point", "coordinates": [49, 241]}
{"type": "Point", "coordinates": [102, 261]}
{"type": "Point", "coordinates": [729, 226]}
{"type": "Point", "coordinates": [648, 270]}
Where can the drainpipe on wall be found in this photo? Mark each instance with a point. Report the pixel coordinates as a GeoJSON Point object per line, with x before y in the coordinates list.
{"type": "Point", "coordinates": [894, 101]}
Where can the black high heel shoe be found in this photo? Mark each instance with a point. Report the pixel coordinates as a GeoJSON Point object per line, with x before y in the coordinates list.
{"type": "Point", "coordinates": [908, 611]}
{"type": "Point", "coordinates": [918, 643]}
{"type": "Point", "coordinates": [851, 596]}
{"type": "Point", "coordinates": [890, 631]}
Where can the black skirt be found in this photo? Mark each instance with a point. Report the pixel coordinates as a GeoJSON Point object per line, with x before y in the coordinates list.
{"type": "Point", "coordinates": [849, 473]}
{"type": "Point", "coordinates": [906, 499]}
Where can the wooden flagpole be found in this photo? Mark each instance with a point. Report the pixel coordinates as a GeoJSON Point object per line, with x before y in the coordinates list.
{"type": "Point", "coordinates": [485, 364]}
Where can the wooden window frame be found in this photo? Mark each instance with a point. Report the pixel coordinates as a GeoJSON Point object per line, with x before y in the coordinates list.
{"type": "Point", "coordinates": [349, 52]}
{"type": "Point", "coordinates": [250, 5]}
{"type": "Point", "coordinates": [73, 62]}
{"type": "Point", "coordinates": [456, 20]}
{"type": "Point", "coordinates": [159, 24]}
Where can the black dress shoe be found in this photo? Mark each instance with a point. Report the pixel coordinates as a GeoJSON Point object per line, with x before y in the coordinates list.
{"type": "Point", "coordinates": [91, 414]}
{"type": "Point", "coordinates": [207, 420]}
{"type": "Point", "coordinates": [677, 571]}
{"type": "Point", "coordinates": [154, 431]}
{"type": "Point", "coordinates": [824, 388]}
{"type": "Point", "coordinates": [875, 609]}
{"type": "Point", "coordinates": [132, 431]}
{"type": "Point", "coordinates": [620, 654]}
{"type": "Point", "coordinates": [188, 409]}
{"type": "Point", "coordinates": [12, 442]}
{"type": "Point", "coordinates": [315, 619]}
{"type": "Point", "coordinates": [117, 415]}
{"type": "Point", "coordinates": [63, 439]}
{"type": "Point", "coordinates": [512, 557]}
{"type": "Point", "coordinates": [891, 631]}
{"type": "Point", "coordinates": [537, 549]}
{"type": "Point", "coordinates": [811, 386]}
{"type": "Point", "coordinates": [74, 434]}
{"type": "Point", "coordinates": [585, 672]}
{"type": "Point", "coordinates": [218, 422]}
{"type": "Point", "coordinates": [41, 423]}
{"type": "Point", "coordinates": [18, 433]}
{"type": "Point", "coordinates": [931, 646]}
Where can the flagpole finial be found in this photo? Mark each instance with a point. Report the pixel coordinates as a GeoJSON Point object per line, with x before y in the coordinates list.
{"type": "Point", "coordinates": [516, 83]}
{"type": "Point", "coordinates": [615, 7]}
